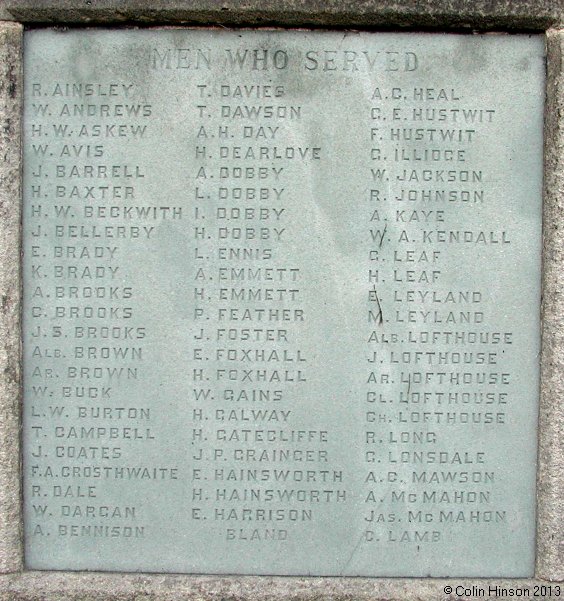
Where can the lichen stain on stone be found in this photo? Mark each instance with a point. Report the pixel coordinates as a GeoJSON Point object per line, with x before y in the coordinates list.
{"type": "Point", "coordinates": [7, 128]}
{"type": "Point", "coordinates": [12, 88]}
{"type": "Point", "coordinates": [10, 372]}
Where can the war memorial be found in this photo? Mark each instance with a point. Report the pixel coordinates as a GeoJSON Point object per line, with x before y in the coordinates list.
{"type": "Point", "coordinates": [282, 308]}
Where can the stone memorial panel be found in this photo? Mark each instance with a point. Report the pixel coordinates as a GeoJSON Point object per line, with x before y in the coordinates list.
{"type": "Point", "coordinates": [281, 301]}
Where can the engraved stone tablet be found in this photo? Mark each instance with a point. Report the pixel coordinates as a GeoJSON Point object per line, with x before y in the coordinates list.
{"type": "Point", "coordinates": [282, 301]}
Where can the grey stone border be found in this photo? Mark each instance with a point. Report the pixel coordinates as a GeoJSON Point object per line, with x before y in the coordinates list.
{"type": "Point", "coordinates": [11, 554]}
{"type": "Point", "coordinates": [539, 15]}
{"type": "Point", "coordinates": [550, 485]}
{"type": "Point", "coordinates": [17, 584]}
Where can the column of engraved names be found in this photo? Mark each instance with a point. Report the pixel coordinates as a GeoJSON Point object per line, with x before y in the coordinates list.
{"type": "Point", "coordinates": [437, 372]}
{"type": "Point", "coordinates": [258, 468]}
{"type": "Point", "coordinates": [85, 342]}
{"type": "Point", "coordinates": [202, 277]}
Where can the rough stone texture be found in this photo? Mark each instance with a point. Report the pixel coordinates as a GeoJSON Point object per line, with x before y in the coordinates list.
{"type": "Point", "coordinates": [10, 295]}
{"type": "Point", "coordinates": [59, 586]}
{"type": "Point", "coordinates": [450, 14]}
{"type": "Point", "coordinates": [550, 489]}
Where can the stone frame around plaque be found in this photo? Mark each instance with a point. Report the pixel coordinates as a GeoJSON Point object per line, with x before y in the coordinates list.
{"type": "Point", "coordinates": [438, 15]}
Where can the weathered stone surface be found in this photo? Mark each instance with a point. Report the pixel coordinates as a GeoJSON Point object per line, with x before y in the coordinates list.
{"type": "Point", "coordinates": [37, 586]}
{"type": "Point", "coordinates": [450, 14]}
{"type": "Point", "coordinates": [550, 490]}
{"type": "Point", "coordinates": [10, 290]}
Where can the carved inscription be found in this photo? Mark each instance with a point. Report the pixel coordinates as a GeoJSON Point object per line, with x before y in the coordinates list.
{"type": "Point", "coordinates": [281, 302]}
